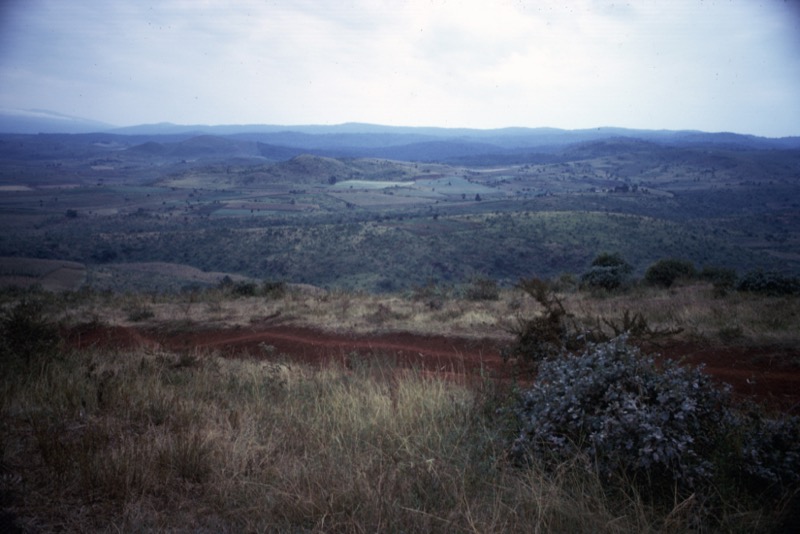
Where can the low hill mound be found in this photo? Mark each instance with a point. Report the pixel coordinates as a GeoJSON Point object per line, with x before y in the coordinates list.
{"type": "Point", "coordinates": [150, 148]}
{"type": "Point", "coordinates": [209, 145]}
{"type": "Point", "coordinates": [312, 169]}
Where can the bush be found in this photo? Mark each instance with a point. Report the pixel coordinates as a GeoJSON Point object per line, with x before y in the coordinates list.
{"type": "Point", "coordinates": [608, 271]}
{"type": "Point", "coordinates": [769, 283]}
{"type": "Point", "coordinates": [665, 272]}
{"type": "Point", "coordinates": [623, 415]}
{"type": "Point", "coordinates": [661, 427]}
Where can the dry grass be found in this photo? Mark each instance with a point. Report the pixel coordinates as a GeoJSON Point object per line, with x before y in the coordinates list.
{"type": "Point", "coordinates": [136, 441]}
{"type": "Point", "coordinates": [734, 318]}
{"type": "Point", "coordinates": [334, 311]}
{"type": "Point", "coordinates": [156, 441]}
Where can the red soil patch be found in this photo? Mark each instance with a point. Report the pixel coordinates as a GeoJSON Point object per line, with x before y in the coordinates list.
{"type": "Point", "coordinates": [89, 336]}
{"type": "Point", "coordinates": [446, 356]}
{"type": "Point", "coordinates": [768, 374]}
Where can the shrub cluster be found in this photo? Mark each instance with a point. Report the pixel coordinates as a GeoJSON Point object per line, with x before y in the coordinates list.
{"type": "Point", "coordinates": [611, 272]}
{"type": "Point", "coordinates": [769, 283]}
{"type": "Point", "coordinates": [663, 427]}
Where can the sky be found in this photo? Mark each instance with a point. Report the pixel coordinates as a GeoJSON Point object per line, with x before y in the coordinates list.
{"type": "Point", "coordinates": [724, 65]}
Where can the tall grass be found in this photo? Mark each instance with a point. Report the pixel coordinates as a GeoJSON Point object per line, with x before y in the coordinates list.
{"type": "Point", "coordinates": [153, 441]}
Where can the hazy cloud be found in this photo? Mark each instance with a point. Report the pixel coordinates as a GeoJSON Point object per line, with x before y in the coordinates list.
{"type": "Point", "coordinates": [732, 65]}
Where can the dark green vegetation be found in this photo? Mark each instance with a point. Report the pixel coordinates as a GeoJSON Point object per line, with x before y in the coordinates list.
{"type": "Point", "coordinates": [326, 208]}
{"type": "Point", "coordinates": [666, 272]}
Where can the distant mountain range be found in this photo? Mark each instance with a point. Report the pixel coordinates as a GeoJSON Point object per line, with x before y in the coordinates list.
{"type": "Point", "coordinates": [453, 145]}
{"type": "Point", "coordinates": [361, 135]}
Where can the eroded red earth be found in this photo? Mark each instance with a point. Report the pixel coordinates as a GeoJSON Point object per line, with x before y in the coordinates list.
{"type": "Point", "coordinates": [767, 374]}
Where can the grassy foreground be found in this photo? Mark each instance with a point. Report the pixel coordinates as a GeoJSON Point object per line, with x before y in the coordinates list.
{"type": "Point", "coordinates": [148, 440]}
{"type": "Point", "coordinates": [132, 441]}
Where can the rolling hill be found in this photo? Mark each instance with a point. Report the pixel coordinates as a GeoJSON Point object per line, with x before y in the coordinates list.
{"type": "Point", "coordinates": [383, 208]}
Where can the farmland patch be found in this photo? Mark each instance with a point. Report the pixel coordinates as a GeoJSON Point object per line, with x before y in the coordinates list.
{"type": "Point", "coordinates": [454, 185]}
{"type": "Point", "coordinates": [374, 199]}
{"type": "Point", "coordinates": [369, 184]}
{"type": "Point", "coordinates": [14, 188]}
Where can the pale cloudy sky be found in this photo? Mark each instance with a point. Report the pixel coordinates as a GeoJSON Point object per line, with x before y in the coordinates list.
{"type": "Point", "coordinates": [724, 65]}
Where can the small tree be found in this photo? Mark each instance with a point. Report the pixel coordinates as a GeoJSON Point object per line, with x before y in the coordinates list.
{"type": "Point", "coordinates": [548, 334]}
{"type": "Point", "coordinates": [608, 271]}
{"type": "Point", "coordinates": [555, 332]}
